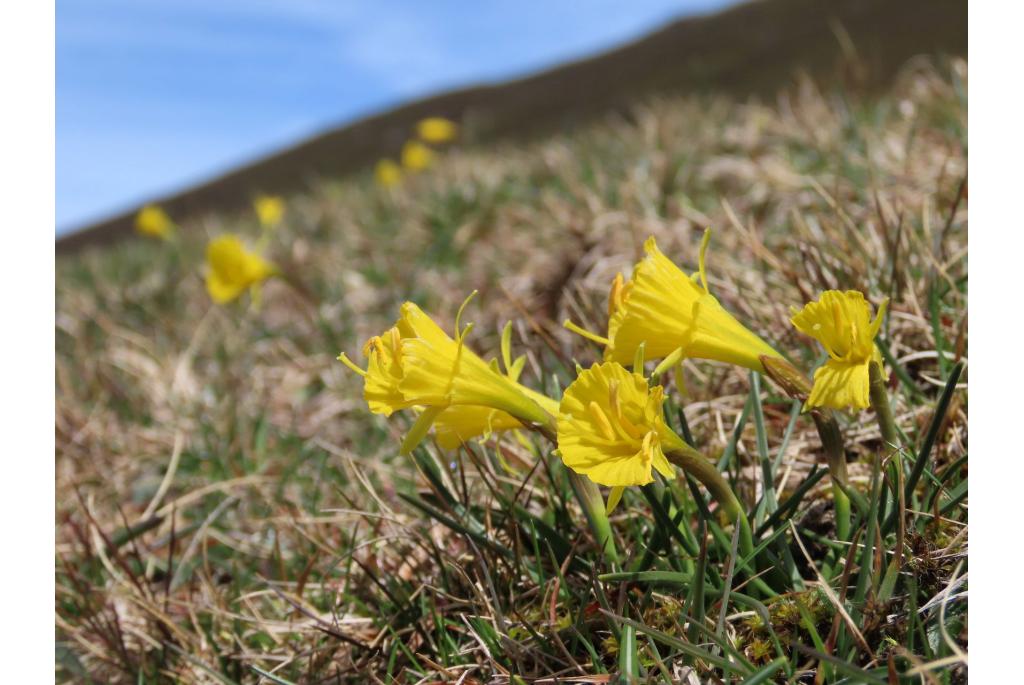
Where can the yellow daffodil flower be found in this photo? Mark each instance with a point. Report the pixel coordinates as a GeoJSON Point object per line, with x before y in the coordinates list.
{"type": "Point", "coordinates": [153, 221]}
{"type": "Point", "coordinates": [416, 364]}
{"type": "Point", "coordinates": [610, 428]}
{"type": "Point", "coordinates": [674, 316]}
{"type": "Point", "coordinates": [387, 173]}
{"type": "Point", "coordinates": [416, 156]}
{"type": "Point", "coordinates": [841, 322]}
{"type": "Point", "coordinates": [231, 269]}
{"type": "Point", "coordinates": [437, 130]}
{"type": "Point", "coordinates": [269, 210]}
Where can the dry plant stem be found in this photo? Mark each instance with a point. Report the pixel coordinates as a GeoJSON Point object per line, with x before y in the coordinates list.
{"type": "Point", "coordinates": [695, 464]}
{"type": "Point", "coordinates": [589, 496]}
{"type": "Point", "coordinates": [795, 384]}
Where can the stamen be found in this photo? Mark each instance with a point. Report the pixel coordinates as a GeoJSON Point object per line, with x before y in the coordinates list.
{"type": "Point", "coordinates": [585, 333]}
{"type": "Point", "coordinates": [602, 420]}
{"type": "Point", "coordinates": [396, 342]}
{"type": "Point", "coordinates": [615, 296]}
{"type": "Point", "coordinates": [647, 449]}
{"type": "Point", "coordinates": [369, 346]}
{"type": "Point", "coordinates": [350, 364]}
{"type": "Point", "coordinates": [613, 399]}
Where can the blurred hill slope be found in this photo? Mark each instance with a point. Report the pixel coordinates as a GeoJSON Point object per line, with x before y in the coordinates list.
{"type": "Point", "coordinates": [751, 49]}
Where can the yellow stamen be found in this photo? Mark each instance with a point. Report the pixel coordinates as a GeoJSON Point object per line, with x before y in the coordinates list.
{"type": "Point", "coordinates": [350, 364]}
{"type": "Point", "coordinates": [585, 333]}
{"type": "Point", "coordinates": [602, 420]}
{"type": "Point", "coordinates": [613, 399]}
{"type": "Point", "coordinates": [615, 296]}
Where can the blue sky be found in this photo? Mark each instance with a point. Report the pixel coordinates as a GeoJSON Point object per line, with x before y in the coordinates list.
{"type": "Point", "coordinates": [154, 95]}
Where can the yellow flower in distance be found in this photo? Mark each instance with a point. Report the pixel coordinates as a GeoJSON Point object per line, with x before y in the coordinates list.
{"type": "Point", "coordinates": [387, 173]}
{"type": "Point", "coordinates": [437, 130]}
{"type": "Point", "coordinates": [269, 210]}
{"type": "Point", "coordinates": [416, 364]}
{"type": "Point", "coordinates": [153, 221]}
{"type": "Point", "coordinates": [841, 322]}
{"type": "Point", "coordinates": [674, 316]}
{"type": "Point", "coordinates": [231, 269]}
{"type": "Point", "coordinates": [416, 156]}
{"type": "Point", "coordinates": [610, 428]}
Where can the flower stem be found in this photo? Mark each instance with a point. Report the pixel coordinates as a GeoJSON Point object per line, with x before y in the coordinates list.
{"type": "Point", "coordinates": [798, 386]}
{"type": "Point", "coordinates": [880, 403]}
{"type": "Point", "coordinates": [589, 496]}
{"type": "Point", "coordinates": [694, 463]}
{"type": "Point", "coordinates": [890, 437]}
{"type": "Point", "coordinates": [835, 457]}
{"type": "Point", "coordinates": [590, 499]}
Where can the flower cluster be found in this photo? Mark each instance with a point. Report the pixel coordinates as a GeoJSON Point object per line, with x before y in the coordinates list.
{"type": "Point", "coordinates": [609, 425]}
{"type": "Point", "coordinates": [231, 268]}
{"type": "Point", "coordinates": [417, 153]}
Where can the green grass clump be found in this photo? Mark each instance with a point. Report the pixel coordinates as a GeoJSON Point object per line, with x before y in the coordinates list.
{"type": "Point", "coordinates": [229, 511]}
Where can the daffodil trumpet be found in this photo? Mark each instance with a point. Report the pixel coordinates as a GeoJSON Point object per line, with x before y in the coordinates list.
{"type": "Point", "coordinates": [675, 316]}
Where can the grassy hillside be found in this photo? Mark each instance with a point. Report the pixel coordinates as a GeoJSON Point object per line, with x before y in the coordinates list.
{"type": "Point", "coordinates": [750, 49]}
{"type": "Point", "coordinates": [229, 510]}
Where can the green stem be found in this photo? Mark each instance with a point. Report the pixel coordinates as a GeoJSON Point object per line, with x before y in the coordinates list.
{"type": "Point", "coordinates": [589, 496]}
{"type": "Point", "coordinates": [694, 463]}
{"type": "Point", "coordinates": [835, 457]}
{"type": "Point", "coordinates": [880, 403]}
{"type": "Point", "coordinates": [590, 499]}
{"type": "Point", "coordinates": [842, 503]}
{"type": "Point", "coordinates": [798, 386]}
{"type": "Point", "coordinates": [887, 425]}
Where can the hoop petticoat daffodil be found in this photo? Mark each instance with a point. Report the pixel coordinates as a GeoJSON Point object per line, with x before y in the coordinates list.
{"type": "Point", "coordinates": [416, 156]}
{"type": "Point", "coordinates": [387, 173]}
{"type": "Point", "coordinates": [841, 322]}
{"type": "Point", "coordinates": [232, 269]}
{"type": "Point", "coordinates": [437, 130]}
{"type": "Point", "coordinates": [674, 316]}
{"type": "Point", "coordinates": [610, 428]}
{"type": "Point", "coordinates": [153, 221]}
{"type": "Point", "coordinates": [269, 210]}
{"type": "Point", "coordinates": [416, 364]}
